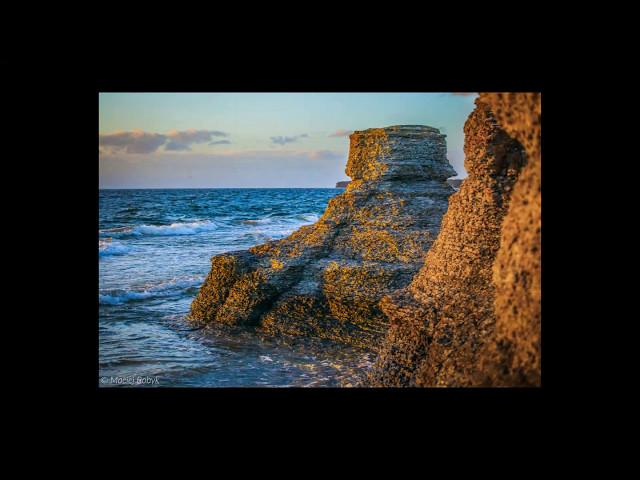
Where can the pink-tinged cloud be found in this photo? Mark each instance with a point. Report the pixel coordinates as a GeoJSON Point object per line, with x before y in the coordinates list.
{"type": "Point", "coordinates": [341, 133]}
{"type": "Point", "coordinates": [138, 141]}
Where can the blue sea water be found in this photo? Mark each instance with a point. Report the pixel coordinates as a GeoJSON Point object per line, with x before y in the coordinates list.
{"type": "Point", "coordinates": [154, 253]}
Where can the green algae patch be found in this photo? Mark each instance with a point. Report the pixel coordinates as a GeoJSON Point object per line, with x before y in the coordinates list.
{"type": "Point", "coordinates": [368, 154]}
{"type": "Point", "coordinates": [353, 292]}
{"type": "Point", "coordinates": [276, 264]}
{"type": "Point", "coordinates": [225, 271]}
{"type": "Point", "coordinates": [309, 316]}
{"type": "Point", "coordinates": [246, 300]}
{"type": "Point", "coordinates": [374, 245]}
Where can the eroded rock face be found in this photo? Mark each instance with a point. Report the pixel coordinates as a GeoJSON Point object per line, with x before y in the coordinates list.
{"type": "Point", "coordinates": [326, 280]}
{"type": "Point", "coordinates": [513, 357]}
{"type": "Point", "coordinates": [439, 323]}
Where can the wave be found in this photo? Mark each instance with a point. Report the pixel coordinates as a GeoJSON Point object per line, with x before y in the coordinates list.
{"type": "Point", "coordinates": [279, 224]}
{"type": "Point", "coordinates": [107, 248]}
{"type": "Point", "coordinates": [260, 221]}
{"type": "Point", "coordinates": [170, 288]}
{"type": "Point", "coordinates": [308, 217]}
{"type": "Point", "coordinates": [186, 228]}
{"type": "Point", "coordinates": [276, 227]}
{"type": "Point", "coordinates": [301, 219]}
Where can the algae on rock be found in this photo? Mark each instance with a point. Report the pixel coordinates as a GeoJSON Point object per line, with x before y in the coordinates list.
{"type": "Point", "coordinates": [326, 280]}
{"type": "Point", "coordinates": [441, 319]}
{"type": "Point", "coordinates": [512, 356]}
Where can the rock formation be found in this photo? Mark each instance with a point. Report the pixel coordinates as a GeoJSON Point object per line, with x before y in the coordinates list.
{"type": "Point", "coordinates": [512, 357]}
{"type": "Point", "coordinates": [343, 184]}
{"type": "Point", "coordinates": [326, 280]}
{"type": "Point", "coordinates": [439, 323]}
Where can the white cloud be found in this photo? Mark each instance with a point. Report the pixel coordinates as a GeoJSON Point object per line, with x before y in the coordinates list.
{"type": "Point", "coordinates": [280, 140]}
{"type": "Point", "coordinates": [138, 141]}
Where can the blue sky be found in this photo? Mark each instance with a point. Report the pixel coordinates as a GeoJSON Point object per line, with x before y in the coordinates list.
{"type": "Point", "coordinates": [173, 140]}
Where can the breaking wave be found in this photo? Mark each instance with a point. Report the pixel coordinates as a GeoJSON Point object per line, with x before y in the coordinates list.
{"type": "Point", "coordinates": [108, 247]}
{"type": "Point", "coordinates": [171, 288]}
{"type": "Point", "coordinates": [188, 228]}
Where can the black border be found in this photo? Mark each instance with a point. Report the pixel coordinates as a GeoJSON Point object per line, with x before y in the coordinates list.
{"type": "Point", "coordinates": [500, 398]}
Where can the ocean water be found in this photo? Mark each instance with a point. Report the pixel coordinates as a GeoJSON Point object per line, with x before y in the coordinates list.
{"type": "Point", "coordinates": [154, 253]}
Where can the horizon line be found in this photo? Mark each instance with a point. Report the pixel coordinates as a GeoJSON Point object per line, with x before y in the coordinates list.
{"type": "Point", "coordinates": [205, 188]}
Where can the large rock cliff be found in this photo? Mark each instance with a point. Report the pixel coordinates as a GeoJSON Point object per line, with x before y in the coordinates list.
{"type": "Point", "coordinates": [512, 357]}
{"type": "Point", "coordinates": [440, 322]}
{"type": "Point", "coordinates": [326, 280]}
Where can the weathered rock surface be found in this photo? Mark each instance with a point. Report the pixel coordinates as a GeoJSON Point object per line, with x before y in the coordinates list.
{"type": "Point", "coordinates": [343, 184]}
{"type": "Point", "coordinates": [512, 357]}
{"type": "Point", "coordinates": [326, 280]}
{"type": "Point", "coordinates": [439, 323]}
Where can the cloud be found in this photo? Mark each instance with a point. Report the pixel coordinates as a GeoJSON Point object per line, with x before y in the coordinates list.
{"type": "Point", "coordinates": [138, 141]}
{"type": "Point", "coordinates": [173, 146]}
{"type": "Point", "coordinates": [341, 133]}
{"type": "Point", "coordinates": [220, 142]}
{"type": "Point", "coordinates": [182, 140]}
{"type": "Point", "coordinates": [194, 136]}
{"type": "Point", "coordinates": [280, 140]}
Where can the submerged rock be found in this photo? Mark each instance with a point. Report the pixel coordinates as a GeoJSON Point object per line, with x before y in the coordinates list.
{"type": "Point", "coordinates": [326, 279]}
{"type": "Point", "coordinates": [440, 321]}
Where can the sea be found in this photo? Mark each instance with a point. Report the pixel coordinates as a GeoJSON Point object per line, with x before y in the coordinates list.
{"type": "Point", "coordinates": [154, 252]}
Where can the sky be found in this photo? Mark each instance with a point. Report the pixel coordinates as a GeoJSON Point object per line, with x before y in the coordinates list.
{"type": "Point", "coordinates": [249, 140]}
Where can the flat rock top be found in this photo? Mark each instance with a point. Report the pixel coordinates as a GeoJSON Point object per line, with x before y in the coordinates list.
{"type": "Point", "coordinates": [410, 152]}
{"type": "Point", "coordinates": [399, 130]}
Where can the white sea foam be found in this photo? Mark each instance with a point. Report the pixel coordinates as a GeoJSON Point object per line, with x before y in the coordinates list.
{"type": "Point", "coordinates": [170, 288]}
{"type": "Point", "coordinates": [259, 221]}
{"type": "Point", "coordinates": [276, 227]}
{"type": "Point", "coordinates": [300, 219]}
{"type": "Point", "coordinates": [179, 228]}
{"type": "Point", "coordinates": [309, 217]}
{"type": "Point", "coordinates": [108, 247]}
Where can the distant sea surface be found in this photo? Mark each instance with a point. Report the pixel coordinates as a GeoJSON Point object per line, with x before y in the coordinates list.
{"type": "Point", "coordinates": [154, 253]}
